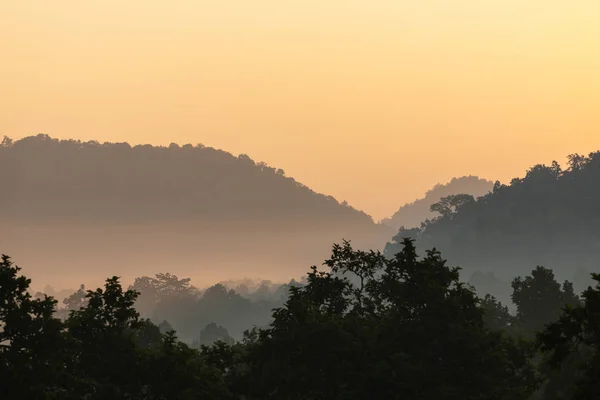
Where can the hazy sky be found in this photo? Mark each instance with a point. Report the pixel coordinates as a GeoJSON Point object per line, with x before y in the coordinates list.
{"type": "Point", "coordinates": [371, 101]}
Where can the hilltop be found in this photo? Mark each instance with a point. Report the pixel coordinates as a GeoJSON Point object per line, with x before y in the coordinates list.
{"type": "Point", "coordinates": [411, 215]}
{"type": "Point", "coordinates": [46, 178]}
{"type": "Point", "coordinates": [132, 208]}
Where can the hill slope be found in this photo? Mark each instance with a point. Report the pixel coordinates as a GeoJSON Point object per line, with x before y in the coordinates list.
{"type": "Point", "coordinates": [46, 178]}
{"type": "Point", "coordinates": [550, 217]}
{"type": "Point", "coordinates": [413, 214]}
{"type": "Point", "coordinates": [144, 206]}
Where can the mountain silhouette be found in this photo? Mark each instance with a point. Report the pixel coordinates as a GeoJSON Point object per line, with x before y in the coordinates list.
{"type": "Point", "coordinates": [411, 215]}
{"type": "Point", "coordinates": [134, 208]}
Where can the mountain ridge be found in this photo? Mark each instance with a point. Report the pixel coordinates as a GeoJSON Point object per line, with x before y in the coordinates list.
{"type": "Point", "coordinates": [549, 217]}
{"type": "Point", "coordinates": [162, 181]}
{"type": "Point", "coordinates": [123, 210]}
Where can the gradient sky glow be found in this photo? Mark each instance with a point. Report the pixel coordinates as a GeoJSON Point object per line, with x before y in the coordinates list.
{"type": "Point", "coordinates": [371, 101]}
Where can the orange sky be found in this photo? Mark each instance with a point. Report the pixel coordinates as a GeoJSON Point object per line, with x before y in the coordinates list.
{"type": "Point", "coordinates": [371, 101]}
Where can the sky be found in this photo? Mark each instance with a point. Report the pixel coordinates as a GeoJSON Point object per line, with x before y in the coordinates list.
{"type": "Point", "coordinates": [371, 101]}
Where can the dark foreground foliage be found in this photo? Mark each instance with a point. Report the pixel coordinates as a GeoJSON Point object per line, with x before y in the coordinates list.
{"type": "Point", "coordinates": [368, 327]}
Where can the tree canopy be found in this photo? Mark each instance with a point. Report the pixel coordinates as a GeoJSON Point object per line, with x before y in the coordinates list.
{"type": "Point", "coordinates": [365, 326]}
{"type": "Point", "coordinates": [408, 329]}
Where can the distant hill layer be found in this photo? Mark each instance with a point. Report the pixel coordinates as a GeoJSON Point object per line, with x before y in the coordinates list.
{"type": "Point", "coordinates": [86, 207]}
{"type": "Point", "coordinates": [411, 215]}
{"type": "Point", "coordinates": [45, 178]}
{"type": "Point", "coordinates": [550, 217]}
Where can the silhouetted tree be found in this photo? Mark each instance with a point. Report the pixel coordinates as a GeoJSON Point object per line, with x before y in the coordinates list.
{"type": "Point", "coordinates": [74, 302]}
{"type": "Point", "coordinates": [409, 329]}
{"type": "Point", "coordinates": [31, 340]}
{"type": "Point", "coordinates": [496, 315]}
{"type": "Point", "coordinates": [449, 205]}
{"type": "Point", "coordinates": [540, 299]}
{"type": "Point", "coordinates": [572, 344]}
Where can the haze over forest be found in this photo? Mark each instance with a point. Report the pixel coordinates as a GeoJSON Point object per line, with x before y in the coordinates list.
{"type": "Point", "coordinates": [207, 215]}
{"type": "Point", "coordinates": [371, 102]}
{"type": "Point", "coordinates": [323, 200]}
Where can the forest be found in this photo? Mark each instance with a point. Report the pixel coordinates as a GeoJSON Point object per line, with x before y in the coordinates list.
{"type": "Point", "coordinates": [127, 210]}
{"type": "Point", "coordinates": [408, 328]}
{"type": "Point", "coordinates": [299, 200]}
{"type": "Point", "coordinates": [494, 295]}
{"type": "Point", "coordinates": [548, 217]}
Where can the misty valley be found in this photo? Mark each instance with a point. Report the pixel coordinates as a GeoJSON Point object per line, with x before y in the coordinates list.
{"type": "Point", "coordinates": [184, 272]}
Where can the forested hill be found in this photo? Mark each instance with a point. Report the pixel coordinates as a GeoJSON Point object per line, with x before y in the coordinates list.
{"type": "Point", "coordinates": [134, 209]}
{"type": "Point", "coordinates": [550, 217]}
{"type": "Point", "coordinates": [413, 214]}
{"type": "Point", "coordinates": [46, 178]}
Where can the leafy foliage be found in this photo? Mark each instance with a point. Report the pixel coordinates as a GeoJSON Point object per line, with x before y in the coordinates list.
{"type": "Point", "coordinates": [30, 339]}
{"type": "Point", "coordinates": [103, 350]}
{"type": "Point", "coordinates": [540, 299]}
{"type": "Point", "coordinates": [409, 329]}
{"type": "Point", "coordinates": [368, 326]}
{"type": "Point", "coordinates": [496, 316]}
{"type": "Point", "coordinates": [572, 343]}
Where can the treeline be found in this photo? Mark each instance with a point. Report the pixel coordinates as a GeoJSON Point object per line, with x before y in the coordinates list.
{"type": "Point", "coordinates": [548, 217]}
{"type": "Point", "coordinates": [69, 180]}
{"type": "Point", "coordinates": [409, 328]}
